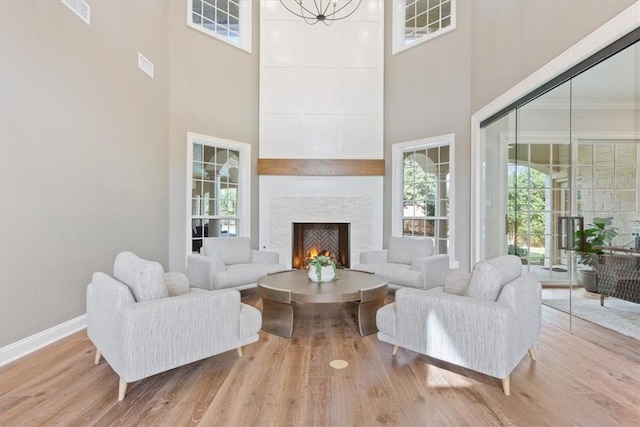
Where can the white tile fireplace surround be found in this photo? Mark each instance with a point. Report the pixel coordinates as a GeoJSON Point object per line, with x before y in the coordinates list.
{"type": "Point", "coordinates": [352, 199]}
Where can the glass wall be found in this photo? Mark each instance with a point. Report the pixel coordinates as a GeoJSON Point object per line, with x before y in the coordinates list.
{"type": "Point", "coordinates": [571, 151]}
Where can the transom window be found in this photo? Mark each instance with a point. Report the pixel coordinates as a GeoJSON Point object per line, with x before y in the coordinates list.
{"type": "Point", "coordinates": [218, 189]}
{"type": "Point", "coordinates": [422, 191]}
{"type": "Point", "coordinates": [227, 20]}
{"type": "Point", "coordinates": [415, 21]}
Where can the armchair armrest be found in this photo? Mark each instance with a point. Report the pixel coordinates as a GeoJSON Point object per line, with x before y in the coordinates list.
{"type": "Point", "coordinates": [434, 269]}
{"type": "Point", "coordinates": [471, 333]}
{"type": "Point", "coordinates": [264, 257]}
{"type": "Point", "coordinates": [374, 257]}
{"type": "Point", "coordinates": [105, 298]}
{"type": "Point", "coordinates": [161, 334]}
{"type": "Point", "coordinates": [200, 270]}
{"type": "Point", "coordinates": [465, 331]}
{"type": "Point", "coordinates": [524, 298]}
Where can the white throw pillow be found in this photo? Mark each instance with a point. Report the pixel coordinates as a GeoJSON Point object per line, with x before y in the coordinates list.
{"type": "Point", "coordinates": [486, 282]}
{"type": "Point", "coordinates": [489, 276]}
{"type": "Point", "coordinates": [144, 278]}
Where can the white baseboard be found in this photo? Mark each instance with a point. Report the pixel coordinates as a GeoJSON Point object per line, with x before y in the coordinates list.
{"type": "Point", "coordinates": [21, 348]}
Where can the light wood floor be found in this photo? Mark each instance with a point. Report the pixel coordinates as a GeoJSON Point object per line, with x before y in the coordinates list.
{"type": "Point", "coordinates": [288, 382]}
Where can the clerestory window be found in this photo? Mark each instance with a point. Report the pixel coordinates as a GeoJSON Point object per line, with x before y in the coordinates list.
{"type": "Point", "coordinates": [227, 20]}
{"type": "Point", "coordinates": [416, 21]}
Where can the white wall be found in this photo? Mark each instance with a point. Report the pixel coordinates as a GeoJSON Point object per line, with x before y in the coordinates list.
{"type": "Point", "coordinates": [213, 92]}
{"type": "Point", "coordinates": [427, 94]}
{"type": "Point", "coordinates": [321, 88]}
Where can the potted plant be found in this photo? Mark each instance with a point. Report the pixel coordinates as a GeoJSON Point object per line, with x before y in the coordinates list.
{"type": "Point", "coordinates": [596, 235]}
{"type": "Point", "coordinates": [322, 269]}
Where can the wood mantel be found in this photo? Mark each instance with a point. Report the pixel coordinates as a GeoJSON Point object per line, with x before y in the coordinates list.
{"type": "Point", "coordinates": [321, 167]}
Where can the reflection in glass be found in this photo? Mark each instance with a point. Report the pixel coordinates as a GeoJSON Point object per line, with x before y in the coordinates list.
{"type": "Point", "coordinates": [214, 193]}
{"type": "Point", "coordinates": [576, 152]}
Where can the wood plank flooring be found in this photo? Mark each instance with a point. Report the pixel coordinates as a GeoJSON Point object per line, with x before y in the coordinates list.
{"type": "Point", "coordinates": [288, 382]}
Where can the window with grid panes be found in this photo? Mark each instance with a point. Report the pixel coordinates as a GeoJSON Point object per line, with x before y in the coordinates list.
{"type": "Point", "coordinates": [214, 193]}
{"type": "Point", "coordinates": [415, 21]}
{"type": "Point", "coordinates": [227, 20]}
{"type": "Point", "coordinates": [426, 195]}
{"type": "Point", "coordinates": [607, 174]}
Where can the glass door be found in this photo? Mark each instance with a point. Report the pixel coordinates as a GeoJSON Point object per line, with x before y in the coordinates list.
{"type": "Point", "coordinates": [573, 151]}
{"type": "Point", "coordinates": [540, 190]}
{"type": "Point", "coordinates": [540, 186]}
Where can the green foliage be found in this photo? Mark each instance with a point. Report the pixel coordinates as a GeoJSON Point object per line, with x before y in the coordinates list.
{"type": "Point", "coordinates": [526, 204]}
{"type": "Point", "coordinates": [419, 187]}
{"type": "Point", "coordinates": [228, 201]}
{"type": "Point", "coordinates": [599, 233]}
{"type": "Point", "coordinates": [518, 251]}
{"type": "Point", "coordinates": [323, 261]}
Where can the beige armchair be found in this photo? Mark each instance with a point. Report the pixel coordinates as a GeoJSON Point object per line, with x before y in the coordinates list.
{"type": "Point", "coordinates": [408, 263]}
{"type": "Point", "coordinates": [485, 321]}
{"type": "Point", "coordinates": [229, 262]}
{"type": "Point", "coordinates": [141, 329]}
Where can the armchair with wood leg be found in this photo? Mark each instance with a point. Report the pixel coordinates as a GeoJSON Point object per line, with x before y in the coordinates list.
{"type": "Point", "coordinates": [485, 321]}
{"type": "Point", "coordinates": [141, 329]}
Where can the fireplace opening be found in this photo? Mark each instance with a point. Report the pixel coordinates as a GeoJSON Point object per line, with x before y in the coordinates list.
{"type": "Point", "coordinates": [311, 239]}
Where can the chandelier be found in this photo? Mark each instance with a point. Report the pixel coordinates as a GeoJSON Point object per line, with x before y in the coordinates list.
{"type": "Point", "coordinates": [314, 11]}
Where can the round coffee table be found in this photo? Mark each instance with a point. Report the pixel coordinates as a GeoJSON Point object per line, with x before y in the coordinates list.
{"type": "Point", "coordinates": [280, 290]}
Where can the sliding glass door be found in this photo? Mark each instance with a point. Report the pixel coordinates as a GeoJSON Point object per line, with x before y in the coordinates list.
{"type": "Point", "coordinates": [539, 185]}
{"type": "Point", "coordinates": [573, 151]}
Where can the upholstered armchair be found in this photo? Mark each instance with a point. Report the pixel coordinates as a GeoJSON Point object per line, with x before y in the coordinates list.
{"type": "Point", "coordinates": [141, 329]}
{"type": "Point", "coordinates": [229, 262]}
{"type": "Point", "coordinates": [407, 263]}
{"type": "Point", "coordinates": [485, 321]}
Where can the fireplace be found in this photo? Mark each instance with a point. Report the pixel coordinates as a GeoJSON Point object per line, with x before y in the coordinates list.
{"type": "Point", "coordinates": [356, 201]}
{"type": "Point", "coordinates": [311, 239]}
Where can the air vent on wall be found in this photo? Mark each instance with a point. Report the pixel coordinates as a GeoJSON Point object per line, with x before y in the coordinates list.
{"type": "Point", "coordinates": [80, 8]}
{"type": "Point", "coordinates": [145, 65]}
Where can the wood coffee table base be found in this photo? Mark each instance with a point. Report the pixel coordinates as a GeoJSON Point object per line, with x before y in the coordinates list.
{"type": "Point", "coordinates": [277, 318]}
{"type": "Point", "coordinates": [277, 307]}
{"type": "Point", "coordinates": [370, 301]}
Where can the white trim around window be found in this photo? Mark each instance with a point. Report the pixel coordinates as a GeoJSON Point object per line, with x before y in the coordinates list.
{"type": "Point", "coordinates": [239, 37]}
{"type": "Point", "coordinates": [244, 183]}
{"type": "Point", "coordinates": [398, 26]}
{"type": "Point", "coordinates": [397, 178]}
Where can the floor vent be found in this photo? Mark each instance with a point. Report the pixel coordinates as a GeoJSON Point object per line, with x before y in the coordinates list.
{"type": "Point", "coordinates": [145, 65]}
{"type": "Point", "coordinates": [80, 8]}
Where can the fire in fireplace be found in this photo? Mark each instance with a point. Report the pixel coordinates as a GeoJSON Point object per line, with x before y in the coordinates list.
{"type": "Point", "coordinates": [320, 238]}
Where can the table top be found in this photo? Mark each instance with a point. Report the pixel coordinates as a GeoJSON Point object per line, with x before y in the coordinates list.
{"type": "Point", "coordinates": [345, 288]}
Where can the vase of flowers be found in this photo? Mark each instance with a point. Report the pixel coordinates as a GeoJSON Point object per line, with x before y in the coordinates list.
{"type": "Point", "coordinates": [322, 269]}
